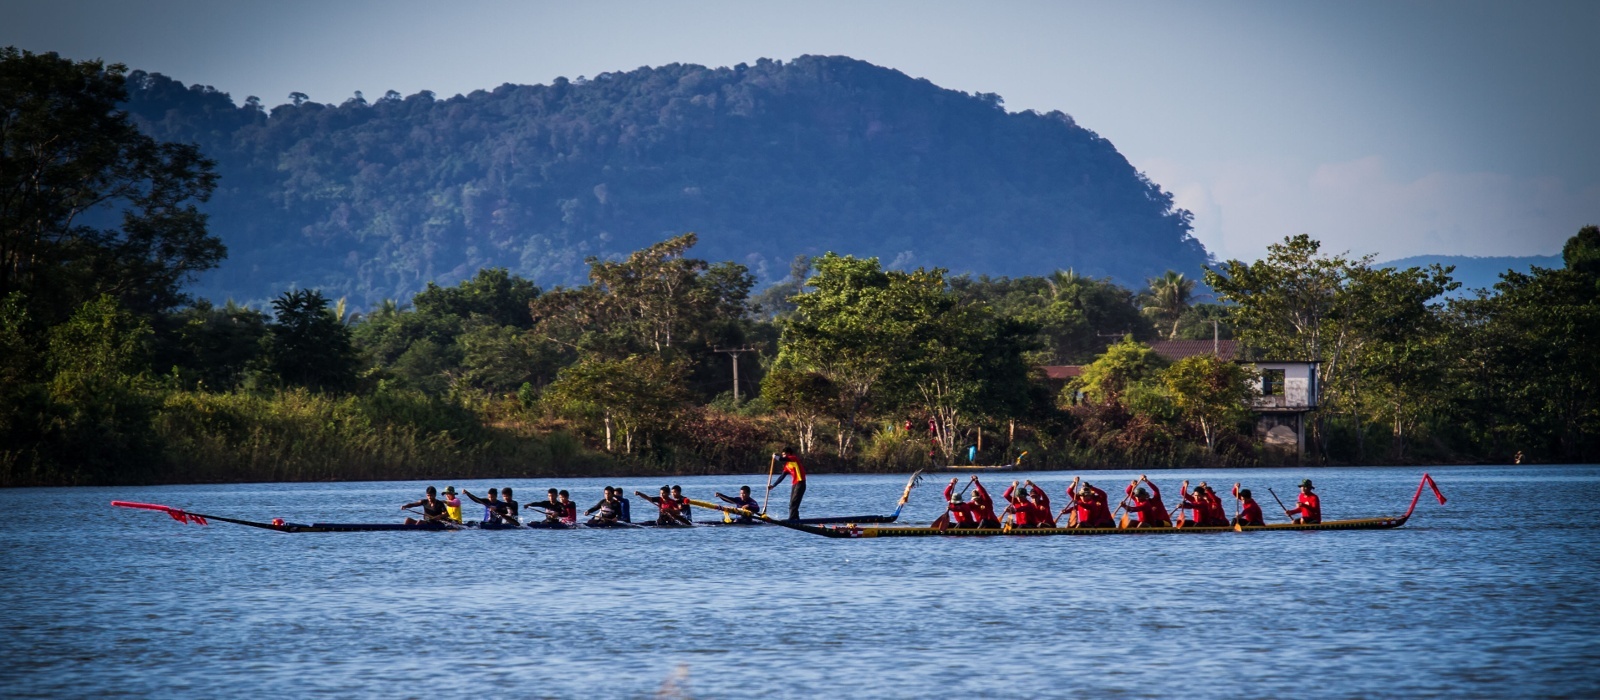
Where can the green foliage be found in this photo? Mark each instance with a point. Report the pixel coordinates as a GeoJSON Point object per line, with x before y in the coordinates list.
{"type": "Point", "coordinates": [638, 394]}
{"type": "Point", "coordinates": [92, 206]}
{"type": "Point", "coordinates": [1211, 393]}
{"type": "Point", "coordinates": [1119, 369]}
{"type": "Point", "coordinates": [767, 161]}
{"type": "Point", "coordinates": [1074, 315]}
{"type": "Point", "coordinates": [307, 346]}
{"type": "Point", "coordinates": [1167, 299]}
{"type": "Point", "coordinates": [208, 347]}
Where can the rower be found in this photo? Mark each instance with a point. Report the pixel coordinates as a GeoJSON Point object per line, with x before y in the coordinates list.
{"type": "Point", "coordinates": [452, 505]}
{"type": "Point", "coordinates": [683, 503]}
{"type": "Point", "coordinates": [1218, 513]}
{"type": "Point", "coordinates": [1308, 509]}
{"type": "Point", "coordinates": [1249, 510]}
{"type": "Point", "coordinates": [494, 509]}
{"type": "Point", "coordinates": [796, 473]}
{"type": "Point", "coordinates": [565, 508]}
{"type": "Point", "coordinates": [510, 513]}
{"type": "Point", "coordinates": [624, 507]}
{"type": "Point", "coordinates": [433, 509]}
{"type": "Point", "coordinates": [1025, 511]}
{"type": "Point", "coordinates": [743, 502]}
{"type": "Point", "coordinates": [1196, 501]}
{"type": "Point", "coordinates": [1093, 508]}
{"type": "Point", "coordinates": [1147, 504]}
{"type": "Point", "coordinates": [604, 512]}
{"type": "Point", "coordinates": [551, 506]}
{"type": "Point", "coordinates": [983, 505]}
{"type": "Point", "coordinates": [668, 515]}
{"type": "Point", "coordinates": [960, 510]}
{"type": "Point", "coordinates": [1041, 505]}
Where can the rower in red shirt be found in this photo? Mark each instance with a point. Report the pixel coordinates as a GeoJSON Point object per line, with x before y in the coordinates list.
{"type": "Point", "coordinates": [1091, 505]}
{"type": "Point", "coordinates": [983, 505]}
{"type": "Point", "coordinates": [1147, 504]}
{"type": "Point", "coordinates": [1309, 507]}
{"type": "Point", "coordinates": [1020, 507]}
{"type": "Point", "coordinates": [960, 510]}
{"type": "Point", "coordinates": [1041, 506]}
{"type": "Point", "coordinates": [1196, 501]}
{"type": "Point", "coordinates": [1217, 514]}
{"type": "Point", "coordinates": [1249, 510]}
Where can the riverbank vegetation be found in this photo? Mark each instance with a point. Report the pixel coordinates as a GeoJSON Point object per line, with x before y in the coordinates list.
{"type": "Point", "coordinates": [110, 374]}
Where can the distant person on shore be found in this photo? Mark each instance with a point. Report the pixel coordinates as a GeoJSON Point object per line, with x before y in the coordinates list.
{"type": "Point", "coordinates": [1308, 508]}
{"type": "Point", "coordinates": [432, 508]}
{"type": "Point", "coordinates": [796, 473]}
{"type": "Point", "coordinates": [743, 502]}
{"type": "Point", "coordinates": [452, 505]}
{"type": "Point", "coordinates": [1249, 510]}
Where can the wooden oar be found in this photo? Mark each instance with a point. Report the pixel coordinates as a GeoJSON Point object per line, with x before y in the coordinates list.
{"type": "Point", "coordinates": [442, 520]}
{"type": "Point", "coordinates": [1238, 505]}
{"type": "Point", "coordinates": [1280, 504]}
{"type": "Point", "coordinates": [772, 464]}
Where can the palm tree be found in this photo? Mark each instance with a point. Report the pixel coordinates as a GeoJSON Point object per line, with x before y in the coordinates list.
{"type": "Point", "coordinates": [1061, 279]}
{"type": "Point", "coordinates": [1168, 297]}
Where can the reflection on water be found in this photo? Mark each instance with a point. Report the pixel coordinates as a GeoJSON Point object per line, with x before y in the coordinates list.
{"type": "Point", "coordinates": [1491, 595]}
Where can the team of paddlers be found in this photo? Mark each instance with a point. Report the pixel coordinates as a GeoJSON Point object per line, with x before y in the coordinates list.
{"type": "Point", "coordinates": [1028, 505]}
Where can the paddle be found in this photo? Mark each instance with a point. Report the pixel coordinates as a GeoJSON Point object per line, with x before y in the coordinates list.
{"type": "Point", "coordinates": [773, 463]}
{"type": "Point", "coordinates": [671, 514]}
{"type": "Point", "coordinates": [433, 519]}
{"type": "Point", "coordinates": [1238, 505]}
{"type": "Point", "coordinates": [1280, 503]}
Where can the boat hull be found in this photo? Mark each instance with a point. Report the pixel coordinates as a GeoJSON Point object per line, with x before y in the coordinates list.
{"type": "Point", "coordinates": [853, 532]}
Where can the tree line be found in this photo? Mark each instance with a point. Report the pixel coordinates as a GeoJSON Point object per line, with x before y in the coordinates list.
{"type": "Point", "coordinates": [110, 374]}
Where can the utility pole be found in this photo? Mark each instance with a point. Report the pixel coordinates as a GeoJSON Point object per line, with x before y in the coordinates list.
{"type": "Point", "coordinates": [733, 354]}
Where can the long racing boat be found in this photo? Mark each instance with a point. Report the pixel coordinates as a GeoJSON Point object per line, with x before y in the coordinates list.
{"type": "Point", "coordinates": [854, 531]}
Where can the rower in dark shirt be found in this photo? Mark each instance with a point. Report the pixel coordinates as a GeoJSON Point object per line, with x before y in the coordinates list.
{"type": "Point", "coordinates": [494, 509]}
{"type": "Point", "coordinates": [551, 506]}
{"type": "Point", "coordinates": [512, 514]}
{"type": "Point", "coordinates": [743, 502]}
{"type": "Point", "coordinates": [433, 509]}
{"type": "Point", "coordinates": [625, 508]}
{"type": "Point", "coordinates": [683, 503]}
{"type": "Point", "coordinates": [605, 512]}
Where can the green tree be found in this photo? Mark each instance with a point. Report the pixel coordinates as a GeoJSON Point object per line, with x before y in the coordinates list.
{"type": "Point", "coordinates": [99, 425]}
{"type": "Point", "coordinates": [1167, 298]}
{"type": "Point", "coordinates": [635, 395]}
{"type": "Point", "coordinates": [73, 164]}
{"type": "Point", "coordinates": [307, 346]}
{"type": "Point", "coordinates": [1210, 393]}
{"type": "Point", "coordinates": [1117, 370]}
{"type": "Point", "coordinates": [802, 398]}
{"type": "Point", "coordinates": [1398, 347]}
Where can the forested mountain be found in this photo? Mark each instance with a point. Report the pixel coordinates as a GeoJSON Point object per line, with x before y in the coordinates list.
{"type": "Point", "coordinates": [765, 162]}
{"type": "Point", "coordinates": [1474, 272]}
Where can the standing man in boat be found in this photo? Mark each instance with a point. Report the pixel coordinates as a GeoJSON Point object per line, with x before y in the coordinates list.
{"type": "Point", "coordinates": [1249, 510]}
{"type": "Point", "coordinates": [432, 508]}
{"type": "Point", "coordinates": [796, 473]}
{"type": "Point", "coordinates": [1309, 507]}
{"type": "Point", "coordinates": [743, 502]}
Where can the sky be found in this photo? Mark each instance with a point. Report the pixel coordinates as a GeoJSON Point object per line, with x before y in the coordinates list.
{"type": "Point", "coordinates": [1387, 128]}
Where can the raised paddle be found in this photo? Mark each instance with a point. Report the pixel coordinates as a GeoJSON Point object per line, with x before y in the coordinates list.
{"type": "Point", "coordinates": [773, 463]}
{"type": "Point", "coordinates": [1280, 503]}
{"type": "Point", "coordinates": [1238, 505]}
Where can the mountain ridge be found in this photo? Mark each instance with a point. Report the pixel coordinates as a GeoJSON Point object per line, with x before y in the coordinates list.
{"type": "Point", "coordinates": [372, 200]}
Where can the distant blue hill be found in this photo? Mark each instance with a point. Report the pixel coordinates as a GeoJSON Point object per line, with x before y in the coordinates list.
{"type": "Point", "coordinates": [1475, 272]}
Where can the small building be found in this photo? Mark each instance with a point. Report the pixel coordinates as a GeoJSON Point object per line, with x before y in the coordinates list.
{"type": "Point", "coordinates": [1287, 390]}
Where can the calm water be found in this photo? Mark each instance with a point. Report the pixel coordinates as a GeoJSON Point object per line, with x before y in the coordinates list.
{"type": "Point", "coordinates": [1492, 595]}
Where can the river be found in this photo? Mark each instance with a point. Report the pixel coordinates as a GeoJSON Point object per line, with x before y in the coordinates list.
{"type": "Point", "coordinates": [1492, 595]}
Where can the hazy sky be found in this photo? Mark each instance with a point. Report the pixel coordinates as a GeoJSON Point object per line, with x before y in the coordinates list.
{"type": "Point", "coordinates": [1396, 128]}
